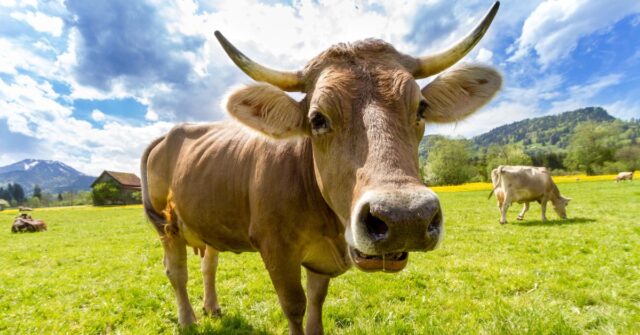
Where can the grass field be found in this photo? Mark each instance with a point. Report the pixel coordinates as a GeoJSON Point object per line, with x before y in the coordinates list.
{"type": "Point", "coordinates": [99, 270]}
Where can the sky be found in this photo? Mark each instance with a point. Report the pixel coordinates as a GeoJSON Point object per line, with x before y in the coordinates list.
{"type": "Point", "coordinates": [92, 83]}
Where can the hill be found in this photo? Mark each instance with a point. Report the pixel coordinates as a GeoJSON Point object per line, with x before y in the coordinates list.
{"type": "Point", "coordinates": [51, 176]}
{"type": "Point", "coordinates": [553, 130]}
{"type": "Point", "coordinates": [548, 134]}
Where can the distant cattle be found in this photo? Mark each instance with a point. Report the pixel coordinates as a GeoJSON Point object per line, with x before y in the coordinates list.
{"type": "Point", "coordinates": [25, 223]}
{"type": "Point", "coordinates": [624, 176]}
{"type": "Point", "coordinates": [524, 184]}
{"type": "Point", "coordinates": [323, 183]}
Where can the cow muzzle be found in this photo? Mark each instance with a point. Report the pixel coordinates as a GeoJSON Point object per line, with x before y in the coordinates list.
{"type": "Point", "coordinates": [386, 226]}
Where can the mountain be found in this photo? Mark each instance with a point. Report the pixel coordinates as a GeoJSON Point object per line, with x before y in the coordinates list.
{"type": "Point", "coordinates": [51, 176]}
{"type": "Point", "coordinates": [545, 138]}
{"type": "Point", "coordinates": [553, 130]}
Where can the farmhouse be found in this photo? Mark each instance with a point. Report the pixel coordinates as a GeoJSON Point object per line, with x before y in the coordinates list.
{"type": "Point", "coordinates": [112, 188]}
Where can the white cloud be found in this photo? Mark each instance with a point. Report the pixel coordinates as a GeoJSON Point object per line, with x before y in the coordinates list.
{"type": "Point", "coordinates": [484, 56]}
{"type": "Point", "coordinates": [97, 115]}
{"type": "Point", "coordinates": [151, 115]}
{"type": "Point", "coordinates": [41, 22]}
{"type": "Point", "coordinates": [14, 57]}
{"type": "Point", "coordinates": [582, 95]}
{"type": "Point", "coordinates": [624, 109]}
{"type": "Point", "coordinates": [31, 108]}
{"type": "Point", "coordinates": [554, 27]}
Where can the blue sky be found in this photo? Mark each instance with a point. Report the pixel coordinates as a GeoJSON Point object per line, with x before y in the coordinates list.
{"type": "Point", "coordinates": [90, 83]}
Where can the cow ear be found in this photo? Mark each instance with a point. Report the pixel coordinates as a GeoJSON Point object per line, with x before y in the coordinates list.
{"type": "Point", "coordinates": [267, 109]}
{"type": "Point", "coordinates": [458, 93]}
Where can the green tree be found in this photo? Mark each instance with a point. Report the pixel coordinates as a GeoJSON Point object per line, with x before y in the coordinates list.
{"type": "Point", "coordinates": [591, 145]}
{"type": "Point", "coordinates": [34, 202]}
{"type": "Point", "coordinates": [629, 156]}
{"type": "Point", "coordinates": [37, 192]}
{"type": "Point", "coordinates": [17, 192]}
{"type": "Point", "coordinates": [448, 162]}
{"type": "Point", "coordinates": [60, 198]}
{"type": "Point", "coordinates": [105, 193]}
{"type": "Point", "coordinates": [5, 194]}
{"type": "Point", "coordinates": [510, 154]}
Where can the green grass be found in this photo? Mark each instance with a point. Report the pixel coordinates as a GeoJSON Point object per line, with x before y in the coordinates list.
{"type": "Point", "coordinates": [100, 271]}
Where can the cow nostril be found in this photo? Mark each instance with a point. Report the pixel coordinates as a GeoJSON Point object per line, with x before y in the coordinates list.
{"type": "Point", "coordinates": [376, 228]}
{"type": "Point", "coordinates": [436, 223]}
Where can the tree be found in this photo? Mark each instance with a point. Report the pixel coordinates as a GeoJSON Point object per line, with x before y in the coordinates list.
{"type": "Point", "coordinates": [17, 192]}
{"type": "Point", "coordinates": [37, 192]}
{"type": "Point", "coordinates": [60, 198]}
{"type": "Point", "coordinates": [5, 194]}
{"type": "Point", "coordinates": [629, 156]}
{"type": "Point", "coordinates": [448, 162]}
{"type": "Point", "coordinates": [591, 145]}
{"type": "Point", "coordinates": [105, 193]}
{"type": "Point", "coordinates": [510, 154]}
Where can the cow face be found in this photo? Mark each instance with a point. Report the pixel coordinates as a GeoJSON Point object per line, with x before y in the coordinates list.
{"type": "Point", "coordinates": [364, 115]}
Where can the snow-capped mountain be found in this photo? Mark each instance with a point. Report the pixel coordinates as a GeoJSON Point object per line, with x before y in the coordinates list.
{"type": "Point", "coordinates": [51, 176]}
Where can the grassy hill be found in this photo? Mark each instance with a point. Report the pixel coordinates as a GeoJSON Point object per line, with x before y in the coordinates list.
{"type": "Point", "coordinates": [552, 130]}
{"type": "Point", "coordinates": [546, 134]}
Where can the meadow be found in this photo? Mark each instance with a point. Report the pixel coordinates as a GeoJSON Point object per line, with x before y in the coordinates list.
{"type": "Point", "coordinates": [99, 270]}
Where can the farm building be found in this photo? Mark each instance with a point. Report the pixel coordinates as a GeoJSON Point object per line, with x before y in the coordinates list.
{"type": "Point", "coordinates": [112, 188]}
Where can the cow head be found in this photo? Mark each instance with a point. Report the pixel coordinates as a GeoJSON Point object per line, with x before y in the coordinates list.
{"type": "Point", "coordinates": [364, 115]}
{"type": "Point", "coordinates": [560, 204]}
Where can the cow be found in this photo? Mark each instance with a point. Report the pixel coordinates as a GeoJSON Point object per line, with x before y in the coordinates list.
{"type": "Point", "coordinates": [624, 176]}
{"type": "Point", "coordinates": [323, 183]}
{"type": "Point", "coordinates": [25, 222]}
{"type": "Point", "coordinates": [524, 184]}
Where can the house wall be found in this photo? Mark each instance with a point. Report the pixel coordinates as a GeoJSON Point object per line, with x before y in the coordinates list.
{"type": "Point", "coordinates": [126, 193]}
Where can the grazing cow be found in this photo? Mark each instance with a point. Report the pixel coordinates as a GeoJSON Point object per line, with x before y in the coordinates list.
{"type": "Point", "coordinates": [524, 184]}
{"type": "Point", "coordinates": [624, 176]}
{"type": "Point", "coordinates": [322, 183]}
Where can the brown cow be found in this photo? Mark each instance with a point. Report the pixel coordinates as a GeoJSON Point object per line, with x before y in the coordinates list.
{"type": "Point", "coordinates": [334, 182]}
{"type": "Point", "coordinates": [624, 176]}
{"type": "Point", "coordinates": [24, 222]}
{"type": "Point", "coordinates": [524, 184]}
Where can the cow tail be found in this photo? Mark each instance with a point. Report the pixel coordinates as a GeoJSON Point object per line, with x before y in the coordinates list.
{"type": "Point", "coordinates": [159, 220]}
{"type": "Point", "coordinates": [495, 187]}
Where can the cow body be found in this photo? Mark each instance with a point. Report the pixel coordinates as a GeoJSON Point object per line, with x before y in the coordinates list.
{"type": "Point", "coordinates": [624, 176]}
{"type": "Point", "coordinates": [25, 223]}
{"type": "Point", "coordinates": [250, 184]}
{"type": "Point", "coordinates": [525, 184]}
{"type": "Point", "coordinates": [323, 183]}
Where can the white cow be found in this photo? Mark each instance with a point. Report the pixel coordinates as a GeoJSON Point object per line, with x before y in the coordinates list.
{"type": "Point", "coordinates": [624, 176]}
{"type": "Point", "coordinates": [523, 184]}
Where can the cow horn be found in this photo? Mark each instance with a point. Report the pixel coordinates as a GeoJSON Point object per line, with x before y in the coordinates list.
{"type": "Point", "coordinates": [286, 80]}
{"type": "Point", "coordinates": [436, 63]}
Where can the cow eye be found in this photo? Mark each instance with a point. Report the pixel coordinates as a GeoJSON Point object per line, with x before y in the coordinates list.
{"type": "Point", "coordinates": [319, 124]}
{"type": "Point", "coordinates": [422, 107]}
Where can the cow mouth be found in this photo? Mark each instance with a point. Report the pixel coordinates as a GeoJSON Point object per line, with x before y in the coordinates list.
{"type": "Point", "coordinates": [389, 262]}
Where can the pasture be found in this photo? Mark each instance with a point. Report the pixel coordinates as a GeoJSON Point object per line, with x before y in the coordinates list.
{"type": "Point", "coordinates": [99, 270]}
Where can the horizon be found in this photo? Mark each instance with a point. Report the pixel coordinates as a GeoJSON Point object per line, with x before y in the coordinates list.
{"type": "Point", "coordinates": [92, 91]}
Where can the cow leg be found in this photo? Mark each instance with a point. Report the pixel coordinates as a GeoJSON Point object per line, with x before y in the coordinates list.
{"type": "Point", "coordinates": [503, 211]}
{"type": "Point", "coordinates": [209, 265]}
{"type": "Point", "coordinates": [317, 287]}
{"type": "Point", "coordinates": [175, 262]}
{"type": "Point", "coordinates": [285, 276]}
{"type": "Point", "coordinates": [543, 209]}
{"type": "Point", "coordinates": [525, 208]}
